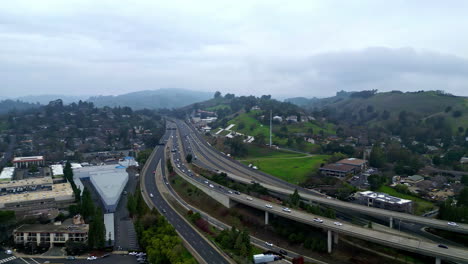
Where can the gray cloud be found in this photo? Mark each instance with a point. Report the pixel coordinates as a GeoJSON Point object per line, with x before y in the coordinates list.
{"type": "Point", "coordinates": [304, 48]}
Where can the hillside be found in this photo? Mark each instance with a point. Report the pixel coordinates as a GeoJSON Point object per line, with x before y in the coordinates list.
{"type": "Point", "coordinates": [432, 108]}
{"type": "Point", "coordinates": [152, 99]}
{"type": "Point", "coordinates": [9, 105]}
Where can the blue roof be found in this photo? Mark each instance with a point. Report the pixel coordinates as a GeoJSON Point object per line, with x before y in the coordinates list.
{"type": "Point", "coordinates": [120, 167]}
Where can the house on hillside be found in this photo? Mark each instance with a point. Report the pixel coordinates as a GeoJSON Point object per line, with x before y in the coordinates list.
{"type": "Point", "coordinates": [292, 118]}
{"type": "Point", "coordinates": [278, 118]}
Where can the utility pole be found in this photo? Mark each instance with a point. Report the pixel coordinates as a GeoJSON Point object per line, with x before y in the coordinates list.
{"type": "Point", "coordinates": [270, 125]}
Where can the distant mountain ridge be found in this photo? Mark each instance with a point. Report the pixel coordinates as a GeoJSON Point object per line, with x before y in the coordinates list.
{"type": "Point", "coordinates": [152, 99]}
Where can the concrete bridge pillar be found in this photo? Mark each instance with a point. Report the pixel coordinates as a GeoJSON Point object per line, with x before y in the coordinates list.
{"type": "Point", "coordinates": [266, 217]}
{"type": "Point", "coordinates": [391, 222]}
{"type": "Point", "coordinates": [329, 241]}
{"type": "Point", "coordinates": [335, 238]}
{"type": "Point", "coordinates": [438, 261]}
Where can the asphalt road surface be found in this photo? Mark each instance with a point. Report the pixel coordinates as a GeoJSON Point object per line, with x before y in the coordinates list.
{"type": "Point", "coordinates": [204, 249]}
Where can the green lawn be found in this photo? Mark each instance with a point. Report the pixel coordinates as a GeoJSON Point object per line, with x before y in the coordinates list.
{"type": "Point", "coordinates": [290, 169]}
{"type": "Point", "coordinates": [420, 205]}
{"type": "Point", "coordinates": [217, 107]}
{"type": "Point", "coordinates": [252, 127]}
{"type": "Point", "coordinates": [255, 151]}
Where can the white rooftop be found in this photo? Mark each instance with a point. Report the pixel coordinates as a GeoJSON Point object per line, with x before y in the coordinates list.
{"type": "Point", "coordinates": [31, 158]}
{"type": "Point", "coordinates": [7, 173]}
{"type": "Point", "coordinates": [57, 169]}
{"type": "Point", "coordinates": [109, 224]}
{"type": "Point", "coordinates": [108, 180]}
{"type": "Point", "coordinates": [384, 197]}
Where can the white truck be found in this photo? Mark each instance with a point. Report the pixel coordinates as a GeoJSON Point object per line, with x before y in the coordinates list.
{"type": "Point", "coordinates": [263, 258]}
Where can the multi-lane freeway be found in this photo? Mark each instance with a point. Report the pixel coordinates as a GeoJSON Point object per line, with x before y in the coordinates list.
{"type": "Point", "coordinates": [195, 146]}
{"type": "Point", "coordinates": [213, 159]}
{"type": "Point", "coordinates": [150, 189]}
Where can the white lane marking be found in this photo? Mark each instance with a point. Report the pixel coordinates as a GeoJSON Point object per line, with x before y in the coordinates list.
{"type": "Point", "coordinates": [34, 261]}
{"type": "Point", "coordinates": [24, 260]}
{"type": "Point", "coordinates": [7, 259]}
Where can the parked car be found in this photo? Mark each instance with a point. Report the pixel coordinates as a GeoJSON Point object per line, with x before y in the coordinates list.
{"type": "Point", "coordinates": [71, 258]}
{"type": "Point", "coordinates": [287, 210]}
{"type": "Point", "coordinates": [151, 195]}
{"type": "Point", "coordinates": [91, 258]}
{"type": "Point", "coordinates": [268, 206]}
{"type": "Point", "coordinates": [337, 223]}
{"type": "Point", "coordinates": [249, 198]}
{"type": "Point", "coordinates": [318, 220]}
{"type": "Point", "coordinates": [443, 246]}
{"type": "Point", "coordinates": [283, 252]}
{"type": "Point", "coordinates": [452, 224]}
{"type": "Point", "coordinates": [268, 244]}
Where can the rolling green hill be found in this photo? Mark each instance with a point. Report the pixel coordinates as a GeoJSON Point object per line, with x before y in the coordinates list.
{"type": "Point", "coordinates": [386, 109]}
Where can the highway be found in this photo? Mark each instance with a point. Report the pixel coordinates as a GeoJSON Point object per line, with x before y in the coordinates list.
{"type": "Point", "coordinates": [215, 160]}
{"type": "Point", "coordinates": [149, 186]}
{"type": "Point", "coordinates": [408, 244]}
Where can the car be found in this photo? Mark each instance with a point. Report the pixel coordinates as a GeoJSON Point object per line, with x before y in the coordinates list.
{"type": "Point", "coordinates": [237, 192]}
{"type": "Point", "coordinates": [283, 252]}
{"type": "Point", "coordinates": [249, 198]}
{"type": "Point", "coordinates": [230, 192]}
{"type": "Point", "coordinates": [8, 252]}
{"type": "Point", "coordinates": [71, 258]}
{"type": "Point", "coordinates": [125, 192]}
{"type": "Point", "coordinates": [151, 195]}
{"type": "Point", "coordinates": [211, 186]}
{"type": "Point", "coordinates": [268, 244]}
{"type": "Point", "coordinates": [268, 206]}
{"type": "Point", "coordinates": [442, 246]}
{"type": "Point", "coordinates": [452, 224]}
{"type": "Point", "coordinates": [206, 182]}
{"type": "Point", "coordinates": [164, 211]}
{"type": "Point", "coordinates": [328, 197]}
{"type": "Point", "coordinates": [318, 220]}
{"type": "Point", "coordinates": [287, 210]}
{"type": "Point", "coordinates": [167, 183]}
{"type": "Point", "coordinates": [337, 223]}
{"type": "Point", "coordinates": [91, 258]}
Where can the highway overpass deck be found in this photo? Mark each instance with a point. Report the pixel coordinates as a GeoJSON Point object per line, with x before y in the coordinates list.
{"type": "Point", "coordinates": [220, 162]}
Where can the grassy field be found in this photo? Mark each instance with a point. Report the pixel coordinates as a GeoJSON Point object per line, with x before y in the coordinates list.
{"type": "Point", "coordinates": [251, 126]}
{"type": "Point", "coordinates": [266, 152]}
{"type": "Point", "coordinates": [420, 205]}
{"type": "Point", "coordinates": [291, 169]}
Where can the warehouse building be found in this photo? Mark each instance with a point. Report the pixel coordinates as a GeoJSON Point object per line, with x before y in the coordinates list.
{"type": "Point", "coordinates": [108, 180]}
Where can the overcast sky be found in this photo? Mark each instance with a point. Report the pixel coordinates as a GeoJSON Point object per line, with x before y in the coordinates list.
{"type": "Point", "coordinates": [284, 48]}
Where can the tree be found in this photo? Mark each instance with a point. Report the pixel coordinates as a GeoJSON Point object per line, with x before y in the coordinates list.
{"type": "Point", "coordinates": [295, 198]}
{"type": "Point", "coordinates": [87, 205]}
{"type": "Point", "coordinates": [463, 197]}
{"type": "Point", "coordinates": [188, 158]}
{"type": "Point", "coordinates": [375, 181]}
{"type": "Point", "coordinates": [464, 180]}
{"type": "Point", "coordinates": [377, 157]}
{"type": "Point", "coordinates": [369, 225]}
{"type": "Point", "coordinates": [217, 94]}
{"type": "Point", "coordinates": [457, 114]}
{"type": "Point", "coordinates": [97, 231]}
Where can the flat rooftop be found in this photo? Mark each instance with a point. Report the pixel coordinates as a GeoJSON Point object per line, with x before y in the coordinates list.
{"type": "Point", "coordinates": [57, 169]}
{"type": "Point", "coordinates": [25, 159]}
{"type": "Point", "coordinates": [109, 181]}
{"type": "Point", "coordinates": [384, 197]}
{"type": "Point", "coordinates": [52, 228]}
{"type": "Point", "coordinates": [338, 167]}
{"type": "Point", "coordinates": [59, 192]}
{"type": "Point", "coordinates": [27, 182]}
{"type": "Point", "coordinates": [352, 161]}
{"type": "Point", "coordinates": [7, 173]}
